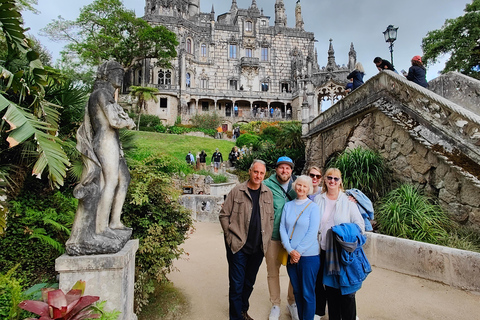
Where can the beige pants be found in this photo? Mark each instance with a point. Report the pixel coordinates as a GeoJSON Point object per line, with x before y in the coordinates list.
{"type": "Point", "coordinates": [203, 166]}
{"type": "Point", "coordinates": [273, 274]}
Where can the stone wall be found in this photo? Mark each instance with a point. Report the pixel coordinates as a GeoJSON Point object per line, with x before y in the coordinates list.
{"type": "Point", "coordinates": [412, 130]}
{"type": "Point", "coordinates": [204, 208]}
{"type": "Point", "coordinates": [459, 88]}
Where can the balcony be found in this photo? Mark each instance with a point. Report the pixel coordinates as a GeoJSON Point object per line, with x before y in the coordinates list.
{"type": "Point", "coordinates": [249, 62]}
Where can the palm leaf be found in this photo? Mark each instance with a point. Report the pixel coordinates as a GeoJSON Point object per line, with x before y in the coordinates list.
{"type": "Point", "coordinates": [11, 24]}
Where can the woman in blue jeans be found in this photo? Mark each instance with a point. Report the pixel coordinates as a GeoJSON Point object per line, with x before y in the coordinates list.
{"type": "Point", "coordinates": [298, 231]}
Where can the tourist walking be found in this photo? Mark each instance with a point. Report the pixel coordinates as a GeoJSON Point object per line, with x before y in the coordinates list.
{"type": "Point", "coordinates": [246, 218]}
{"type": "Point", "coordinates": [417, 72]}
{"type": "Point", "coordinates": [203, 160]}
{"type": "Point", "coordinates": [281, 185]}
{"type": "Point", "coordinates": [233, 156]}
{"type": "Point", "coordinates": [337, 210]}
{"type": "Point", "coordinates": [383, 64]}
{"type": "Point", "coordinates": [217, 160]}
{"type": "Point", "coordinates": [190, 159]}
{"type": "Point", "coordinates": [298, 231]}
{"type": "Point", "coordinates": [357, 76]}
{"type": "Point", "coordinates": [235, 110]}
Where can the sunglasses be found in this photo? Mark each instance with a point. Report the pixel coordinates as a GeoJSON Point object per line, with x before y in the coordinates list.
{"type": "Point", "coordinates": [318, 176]}
{"type": "Point", "coordinates": [336, 179]}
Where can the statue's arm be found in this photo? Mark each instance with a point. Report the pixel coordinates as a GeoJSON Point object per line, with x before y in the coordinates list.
{"type": "Point", "coordinates": [116, 116]}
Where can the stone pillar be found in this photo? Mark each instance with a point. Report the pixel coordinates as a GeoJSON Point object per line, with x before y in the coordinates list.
{"type": "Point", "coordinates": [305, 117]}
{"type": "Point", "coordinates": [109, 276]}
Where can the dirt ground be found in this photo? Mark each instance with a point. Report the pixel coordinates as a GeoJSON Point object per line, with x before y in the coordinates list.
{"type": "Point", "coordinates": [203, 278]}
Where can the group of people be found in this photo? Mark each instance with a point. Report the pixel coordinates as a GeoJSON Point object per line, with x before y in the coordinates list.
{"type": "Point", "coordinates": [217, 159]}
{"type": "Point", "coordinates": [416, 73]}
{"type": "Point", "coordinates": [318, 225]}
{"type": "Point", "coordinates": [237, 153]}
{"type": "Point", "coordinates": [264, 112]}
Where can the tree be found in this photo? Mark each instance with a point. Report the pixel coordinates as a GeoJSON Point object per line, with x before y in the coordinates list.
{"type": "Point", "coordinates": [105, 29]}
{"type": "Point", "coordinates": [459, 37]}
{"type": "Point", "coordinates": [143, 95]}
{"type": "Point", "coordinates": [32, 120]}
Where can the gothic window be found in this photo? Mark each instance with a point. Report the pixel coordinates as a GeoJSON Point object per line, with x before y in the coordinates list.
{"type": "Point", "coordinates": [188, 80]}
{"type": "Point", "coordinates": [284, 87]}
{"type": "Point", "coordinates": [264, 54]}
{"type": "Point", "coordinates": [204, 50]}
{"type": "Point", "coordinates": [263, 23]}
{"type": "Point", "coordinates": [233, 51]}
{"type": "Point", "coordinates": [164, 77]}
{"type": "Point", "coordinates": [163, 103]}
{"type": "Point", "coordinates": [189, 46]}
{"type": "Point", "coordinates": [204, 83]}
{"type": "Point", "coordinates": [248, 52]}
{"type": "Point", "coordinates": [248, 26]}
{"type": "Point", "coordinates": [264, 86]}
{"type": "Point", "coordinates": [232, 84]}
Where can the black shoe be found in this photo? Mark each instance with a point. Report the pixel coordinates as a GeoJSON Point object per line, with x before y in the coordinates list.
{"type": "Point", "coordinates": [246, 316]}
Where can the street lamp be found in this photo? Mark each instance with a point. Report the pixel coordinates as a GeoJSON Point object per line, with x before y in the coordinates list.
{"type": "Point", "coordinates": [390, 36]}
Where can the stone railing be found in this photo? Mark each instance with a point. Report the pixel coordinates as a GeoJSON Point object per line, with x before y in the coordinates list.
{"type": "Point", "coordinates": [249, 62]}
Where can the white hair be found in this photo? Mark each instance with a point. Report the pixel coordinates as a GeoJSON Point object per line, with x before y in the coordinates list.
{"type": "Point", "coordinates": [306, 179]}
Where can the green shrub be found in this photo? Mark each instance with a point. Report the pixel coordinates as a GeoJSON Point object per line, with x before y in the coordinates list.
{"type": "Point", "coordinates": [178, 130]}
{"type": "Point", "coordinates": [365, 170]}
{"type": "Point", "coordinates": [159, 222]}
{"type": "Point", "coordinates": [10, 295]}
{"type": "Point", "coordinates": [405, 213]}
{"type": "Point", "coordinates": [146, 120]}
{"type": "Point", "coordinates": [160, 128]}
{"type": "Point", "coordinates": [246, 140]}
{"type": "Point", "coordinates": [206, 120]}
{"type": "Point", "coordinates": [271, 133]}
{"type": "Point", "coordinates": [217, 178]}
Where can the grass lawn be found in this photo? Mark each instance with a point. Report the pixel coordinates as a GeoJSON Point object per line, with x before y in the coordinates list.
{"type": "Point", "coordinates": [178, 145]}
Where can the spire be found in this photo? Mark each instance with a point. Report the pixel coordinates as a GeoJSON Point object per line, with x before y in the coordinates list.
{"type": "Point", "coordinates": [331, 65]}
{"type": "Point", "coordinates": [298, 16]}
{"type": "Point", "coordinates": [212, 14]}
{"type": "Point", "coordinates": [254, 4]}
{"type": "Point", "coordinates": [280, 16]}
{"type": "Point", "coordinates": [234, 5]}
{"type": "Point", "coordinates": [352, 57]}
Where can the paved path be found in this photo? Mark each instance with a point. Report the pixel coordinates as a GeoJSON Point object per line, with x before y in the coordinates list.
{"type": "Point", "coordinates": [202, 276]}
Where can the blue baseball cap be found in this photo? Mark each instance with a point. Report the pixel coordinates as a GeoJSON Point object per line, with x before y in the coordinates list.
{"type": "Point", "coordinates": [285, 160]}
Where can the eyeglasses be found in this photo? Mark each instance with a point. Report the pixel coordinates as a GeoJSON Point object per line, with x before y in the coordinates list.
{"type": "Point", "coordinates": [336, 179]}
{"type": "Point", "coordinates": [318, 176]}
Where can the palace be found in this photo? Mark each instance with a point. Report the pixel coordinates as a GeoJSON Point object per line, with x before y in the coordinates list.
{"type": "Point", "coordinates": [239, 65]}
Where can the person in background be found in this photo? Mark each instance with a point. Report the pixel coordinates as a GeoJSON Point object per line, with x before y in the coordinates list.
{"type": "Point", "coordinates": [281, 185]}
{"type": "Point", "coordinates": [271, 112]}
{"type": "Point", "coordinates": [315, 174]}
{"type": "Point", "coordinates": [217, 160]}
{"type": "Point", "coordinates": [417, 72]}
{"type": "Point", "coordinates": [383, 64]}
{"type": "Point", "coordinates": [235, 110]}
{"type": "Point", "coordinates": [336, 209]}
{"type": "Point", "coordinates": [357, 76]}
{"type": "Point", "coordinates": [298, 231]}
{"type": "Point", "coordinates": [190, 159]}
{"type": "Point", "coordinates": [246, 218]}
{"type": "Point", "coordinates": [203, 160]}
{"type": "Point", "coordinates": [233, 156]}
{"type": "Point", "coordinates": [349, 86]}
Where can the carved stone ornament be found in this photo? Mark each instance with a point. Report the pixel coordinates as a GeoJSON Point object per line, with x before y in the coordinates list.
{"type": "Point", "coordinates": [97, 228]}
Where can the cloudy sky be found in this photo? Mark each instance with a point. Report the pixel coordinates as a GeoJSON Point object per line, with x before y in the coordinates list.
{"type": "Point", "coordinates": [345, 21]}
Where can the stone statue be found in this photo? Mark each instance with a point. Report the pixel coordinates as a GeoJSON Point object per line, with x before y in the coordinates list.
{"type": "Point", "coordinates": [97, 228]}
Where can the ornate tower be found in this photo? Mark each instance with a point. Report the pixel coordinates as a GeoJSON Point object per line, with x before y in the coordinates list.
{"type": "Point", "coordinates": [352, 57]}
{"type": "Point", "coordinates": [280, 16]}
{"type": "Point", "coordinates": [298, 16]}
{"type": "Point", "coordinates": [193, 8]}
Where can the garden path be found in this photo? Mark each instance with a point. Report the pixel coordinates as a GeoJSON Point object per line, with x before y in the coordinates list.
{"type": "Point", "coordinates": [202, 276]}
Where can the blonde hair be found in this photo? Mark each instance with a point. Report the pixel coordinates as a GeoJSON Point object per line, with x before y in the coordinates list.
{"type": "Point", "coordinates": [328, 172]}
{"type": "Point", "coordinates": [359, 67]}
{"type": "Point", "coordinates": [314, 168]}
{"type": "Point", "coordinates": [306, 179]}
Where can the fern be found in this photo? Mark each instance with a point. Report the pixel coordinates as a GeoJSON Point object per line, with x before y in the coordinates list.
{"type": "Point", "coordinates": [57, 226]}
{"type": "Point", "coordinates": [41, 234]}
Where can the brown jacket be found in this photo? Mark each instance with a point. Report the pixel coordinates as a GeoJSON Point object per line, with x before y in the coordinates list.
{"type": "Point", "coordinates": [236, 212]}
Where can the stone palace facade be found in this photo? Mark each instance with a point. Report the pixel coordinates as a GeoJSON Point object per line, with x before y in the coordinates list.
{"type": "Point", "coordinates": [239, 65]}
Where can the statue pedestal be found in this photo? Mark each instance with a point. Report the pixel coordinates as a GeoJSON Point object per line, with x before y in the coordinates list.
{"type": "Point", "coordinates": [109, 276]}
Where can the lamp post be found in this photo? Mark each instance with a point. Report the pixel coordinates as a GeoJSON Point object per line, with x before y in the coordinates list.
{"type": "Point", "coordinates": [390, 36]}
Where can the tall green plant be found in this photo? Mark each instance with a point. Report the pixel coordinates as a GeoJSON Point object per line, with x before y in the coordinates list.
{"type": "Point", "coordinates": [206, 120]}
{"type": "Point", "coordinates": [406, 213]}
{"type": "Point", "coordinates": [363, 169]}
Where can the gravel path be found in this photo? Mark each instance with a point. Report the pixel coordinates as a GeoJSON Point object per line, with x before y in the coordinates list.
{"type": "Point", "coordinates": [202, 276]}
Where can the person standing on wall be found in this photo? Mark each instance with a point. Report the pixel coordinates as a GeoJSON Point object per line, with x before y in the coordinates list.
{"type": "Point", "coordinates": [281, 185]}
{"type": "Point", "coordinates": [246, 218]}
{"type": "Point", "coordinates": [217, 160]}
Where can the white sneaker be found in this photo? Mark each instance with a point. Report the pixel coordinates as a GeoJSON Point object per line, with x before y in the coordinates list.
{"type": "Point", "coordinates": [274, 313]}
{"type": "Point", "coordinates": [317, 317]}
{"type": "Point", "coordinates": [293, 311]}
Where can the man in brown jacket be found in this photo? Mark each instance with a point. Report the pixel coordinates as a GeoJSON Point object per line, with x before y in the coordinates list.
{"type": "Point", "coordinates": [247, 222]}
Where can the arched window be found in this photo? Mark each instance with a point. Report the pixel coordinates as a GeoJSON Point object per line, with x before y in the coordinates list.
{"type": "Point", "coordinates": [248, 26]}
{"type": "Point", "coordinates": [204, 50]}
{"type": "Point", "coordinates": [188, 80]}
{"type": "Point", "coordinates": [189, 45]}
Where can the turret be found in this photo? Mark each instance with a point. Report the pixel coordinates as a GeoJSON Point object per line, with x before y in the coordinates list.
{"type": "Point", "coordinates": [280, 16]}
{"type": "Point", "coordinates": [298, 16]}
{"type": "Point", "coordinates": [193, 8]}
{"type": "Point", "coordinates": [352, 58]}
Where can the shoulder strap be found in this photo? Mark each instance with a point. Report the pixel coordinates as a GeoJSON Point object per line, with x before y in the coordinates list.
{"type": "Point", "coordinates": [291, 235]}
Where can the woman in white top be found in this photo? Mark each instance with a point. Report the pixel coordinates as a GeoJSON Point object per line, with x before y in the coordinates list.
{"type": "Point", "coordinates": [335, 209]}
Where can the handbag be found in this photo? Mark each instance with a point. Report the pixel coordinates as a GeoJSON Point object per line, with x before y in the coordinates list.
{"type": "Point", "coordinates": [282, 253]}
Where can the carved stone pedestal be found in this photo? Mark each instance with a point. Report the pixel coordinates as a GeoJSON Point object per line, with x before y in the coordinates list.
{"type": "Point", "coordinates": [109, 276]}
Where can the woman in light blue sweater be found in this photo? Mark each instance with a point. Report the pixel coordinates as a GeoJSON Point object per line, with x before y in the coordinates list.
{"type": "Point", "coordinates": [298, 231]}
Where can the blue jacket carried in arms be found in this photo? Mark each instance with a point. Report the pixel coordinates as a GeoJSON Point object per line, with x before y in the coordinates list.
{"type": "Point", "coordinates": [365, 206]}
{"type": "Point", "coordinates": [354, 265]}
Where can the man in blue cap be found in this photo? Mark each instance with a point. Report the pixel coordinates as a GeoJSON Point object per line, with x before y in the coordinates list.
{"type": "Point", "coordinates": [281, 185]}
